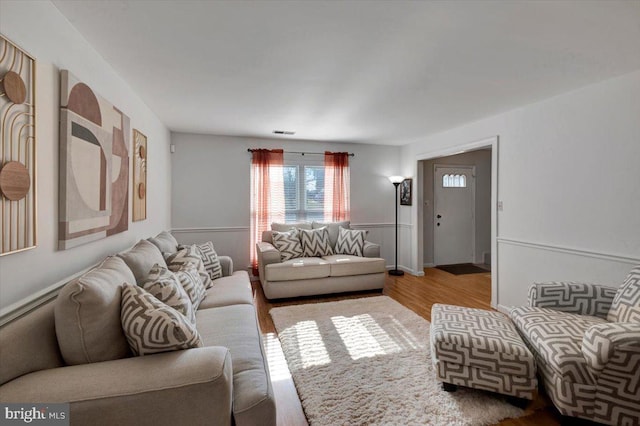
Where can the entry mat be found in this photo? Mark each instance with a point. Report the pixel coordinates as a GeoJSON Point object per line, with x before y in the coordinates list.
{"type": "Point", "coordinates": [462, 269]}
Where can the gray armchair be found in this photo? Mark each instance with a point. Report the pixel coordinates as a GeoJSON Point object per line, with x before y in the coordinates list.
{"type": "Point", "coordinates": [586, 341]}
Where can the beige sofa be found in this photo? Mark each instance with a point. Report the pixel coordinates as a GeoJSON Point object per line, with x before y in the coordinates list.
{"type": "Point", "coordinates": [225, 382]}
{"type": "Point", "coordinates": [306, 276]}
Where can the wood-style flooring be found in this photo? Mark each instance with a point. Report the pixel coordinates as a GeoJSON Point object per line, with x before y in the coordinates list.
{"type": "Point", "coordinates": [417, 294]}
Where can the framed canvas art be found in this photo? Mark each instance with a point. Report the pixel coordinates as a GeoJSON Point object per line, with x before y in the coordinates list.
{"type": "Point", "coordinates": [405, 192]}
{"type": "Point", "coordinates": [94, 165]}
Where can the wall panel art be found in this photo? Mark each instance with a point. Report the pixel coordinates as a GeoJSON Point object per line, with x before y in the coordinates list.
{"type": "Point", "coordinates": [17, 149]}
{"type": "Point", "coordinates": [139, 176]}
{"type": "Point", "coordinates": [94, 165]}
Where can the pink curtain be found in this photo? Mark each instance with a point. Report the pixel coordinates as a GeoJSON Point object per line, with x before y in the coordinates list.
{"type": "Point", "coordinates": [267, 195]}
{"type": "Point", "coordinates": [336, 186]}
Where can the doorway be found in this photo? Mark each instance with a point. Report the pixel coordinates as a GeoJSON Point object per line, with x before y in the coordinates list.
{"type": "Point", "coordinates": [454, 207]}
{"type": "Point", "coordinates": [486, 193]}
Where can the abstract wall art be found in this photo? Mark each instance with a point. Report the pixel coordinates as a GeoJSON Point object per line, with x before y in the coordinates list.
{"type": "Point", "coordinates": [139, 176]}
{"type": "Point", "coordinates": [18, 224]}
{"type": "Point", "coordinates": [94, 165]}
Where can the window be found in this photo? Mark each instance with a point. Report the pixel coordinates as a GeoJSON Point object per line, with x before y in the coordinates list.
{"type": "Point", "coordinates": [303, 192]}
{"type": "Point", "coordinates": [454, 181]}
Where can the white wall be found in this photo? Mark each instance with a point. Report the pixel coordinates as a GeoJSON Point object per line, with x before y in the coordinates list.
{"type": "Point", "coordinates": [570, 183]}
{"type": "Point", "coordinates": [211, 189]}
{"type": "Point", "coordinates": [44, 33]}
{"type": "Point", "coordinates": [481, 159]}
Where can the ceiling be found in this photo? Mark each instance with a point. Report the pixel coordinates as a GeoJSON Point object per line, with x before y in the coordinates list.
{"type": "Point", "coordinates": [383, 72]}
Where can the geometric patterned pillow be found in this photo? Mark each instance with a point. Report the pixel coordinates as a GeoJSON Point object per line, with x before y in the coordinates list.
{"type": "Point", "coordinates": [151, 326]}
{"type": "Point", "coordinates": [189, 254]}
{"type": "Point", "coordinates": [288, 244]}
{"type": "Point", "coordinates": [165, 286]}
{"type": "Point", "coordinates": [626, 303]}
{"type": "Point", "coordinates": [351, 241]}
{"type": "Point", "coordinates": [210, 260]}
{"type": "Point", "coordinates": [315, 242]}
{"type": "Point", "coordinates": [192, 284]}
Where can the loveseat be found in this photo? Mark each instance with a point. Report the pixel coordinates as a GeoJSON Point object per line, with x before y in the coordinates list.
{"type": "Point", "coordinates": [73, 350]}
{"type": "Point", "coordinates": [323, 263]}
{"type": "Point", "coordinates": [586, 342]}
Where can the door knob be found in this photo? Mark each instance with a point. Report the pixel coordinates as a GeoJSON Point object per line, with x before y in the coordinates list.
{"type": "Point", "coordinates": [438, 223]}
{"type": "Point", "coordinates": [438, 216]}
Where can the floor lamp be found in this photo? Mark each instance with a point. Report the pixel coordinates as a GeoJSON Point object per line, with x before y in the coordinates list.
{"type": "Point", "coordinates": [396, 181]}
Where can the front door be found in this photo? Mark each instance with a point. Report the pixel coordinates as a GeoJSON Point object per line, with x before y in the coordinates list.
{"type": "Point", "coordinates": [454, 214]}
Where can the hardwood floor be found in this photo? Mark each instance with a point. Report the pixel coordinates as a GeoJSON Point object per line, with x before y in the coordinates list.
{"type": "Point", "coordinates": [417, 294]}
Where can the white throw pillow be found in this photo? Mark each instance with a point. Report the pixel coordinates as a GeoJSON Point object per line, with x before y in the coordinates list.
{"type": "Point", "coordinates": [189, 254]}
{"type": "Point", "coordinates": [165, 286]}
{"type": "Point", "coordinates": [351, 241]}
{"type": "Point", "coordinates": [151, 326]}
{"type": "Point", "coordinates": [210, 260]}
{"type": "Point", "coordinates": [190, 280]}
{"type": "Point", "coordinates": [315, 243]}
{"type": "Point", "coordinates": [288, 244]}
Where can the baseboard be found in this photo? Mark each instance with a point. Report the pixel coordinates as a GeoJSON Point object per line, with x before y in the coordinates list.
{"type": "Point", "coordinates": [503, 308]}
{"type": "Point", "coordinates": [407, 270]}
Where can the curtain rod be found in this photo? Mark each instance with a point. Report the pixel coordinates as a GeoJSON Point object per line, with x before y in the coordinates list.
{"type": "Point", "coordinates": [351, 154]}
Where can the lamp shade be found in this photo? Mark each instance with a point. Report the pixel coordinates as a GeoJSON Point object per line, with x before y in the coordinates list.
{"type": "Point", "coordinates": [396, 179]}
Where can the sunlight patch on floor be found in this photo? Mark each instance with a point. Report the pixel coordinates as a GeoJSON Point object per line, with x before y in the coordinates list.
{"type": "Point", "coordinates": [311, 348]}
{"type": "Point", "coordinates": [278, 368]}
{"type": "Point", "coordinates": [363, 337]}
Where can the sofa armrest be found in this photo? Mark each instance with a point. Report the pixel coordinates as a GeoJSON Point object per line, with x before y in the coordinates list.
{"type": "Point", "coordinates": [612, 346]}
{"type": "Point", "coordinates": [192, 386]}
{"type": "Point", "coordinates": [227, 265]}
{"type": "Point", "coordinates": [371, 249]}
{"type": "Point", "coordinates": [267, 254]}
{"type": "Point", "coordinates": [572, 297]}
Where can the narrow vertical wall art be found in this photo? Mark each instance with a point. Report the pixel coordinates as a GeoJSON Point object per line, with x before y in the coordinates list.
{"type": "Point", "coordinates": [94, 165]}
{"type": "Point", "coordinates": [18, 149]}
{"type": "Point", "coordinates": [139, 176]}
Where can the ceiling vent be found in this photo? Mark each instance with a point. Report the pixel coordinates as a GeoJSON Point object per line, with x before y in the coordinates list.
{"type": "Point", "coordinates": [284, 132]}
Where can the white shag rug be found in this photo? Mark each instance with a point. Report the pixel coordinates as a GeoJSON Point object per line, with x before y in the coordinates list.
{"type": "Point", "coordinates": [367, 362]}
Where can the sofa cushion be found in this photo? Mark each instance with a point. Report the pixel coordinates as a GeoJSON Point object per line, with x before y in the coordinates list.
{"type": "Point", "coordinates": [288, 244]}
{"type": "Point", "coordinates": [189, 277]}
{"type": "Point", "coordinates": [210, 260]}
{"type": "Point", "coordinates": [298, 269]}
{"type": "Point", "coordinates": [165, 242]}
{"type": "Point", "coordinates": [333, 228]}
{"type": "Point", "coordinates": [189, 254]}
{"type": "Point", "coordinates": [235, 327]}
{"type": "Point", "coordinates": [152, 326]}
{"type": "Point", "coordinates": [315, 242]}
{"type": "Point", "coordinates": [232, 290]}
{"type": "Point", "coordinates": [351, 241]}
{"type": "Point", "coordinates": [141, 258]}
{"type": "Point", "coordinates": [626, 303]}
{"type": "Point", "coordinates": [282, 227]}
{"type": "Point", "coordinates": [87, 314]}
{"type": "Point", "coordinates": [557, 338]}
{"type": "Point", "coordinates": [165, 286]}
{"type": "Point", "coordinates": [343, 265]}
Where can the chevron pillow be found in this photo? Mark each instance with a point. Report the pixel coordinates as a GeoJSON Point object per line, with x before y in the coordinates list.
{"type": "Point", "coordinates": [626, 303]}
{"type": "Point", "coordinates": [210, 260]}
{"type": "Point", "coordinates": [288, 244]}
{"type": "Point", "coordinates": [189, 278]}
{"type": "Point", "coordinates": [165, 286]}
{"type": "Point", "coordinates": [189, 254]}
{"type": "Point", "coordinates": [315, 242]}
{"type": "Point", "coordinates": [151, 326]}
{"type": "Point", "coordinates": [351, 241]}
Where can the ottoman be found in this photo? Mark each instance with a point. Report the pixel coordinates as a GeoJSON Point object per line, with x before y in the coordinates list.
{"type": "Point", "coordinates": [482, 350]}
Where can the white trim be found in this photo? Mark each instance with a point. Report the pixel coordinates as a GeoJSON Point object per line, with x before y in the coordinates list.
{"type": "Point", "coordinates": [405, 269]}
{"type": "Point", "coordinates": [429, 265]}
{"type": "Point", "coordinates": [571, 250]}
{"type": "Point", "coordinates": [30, 303]}
{"type": "Point", "coordinates": [493, 142]}
{"type": "Point", "coordinates": [503, 308]}
{"type": "Point", "coordinates": [210, 229]}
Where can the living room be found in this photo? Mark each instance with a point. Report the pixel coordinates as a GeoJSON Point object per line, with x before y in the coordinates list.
{"type": "Point", "coordinates": [562, 125]}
